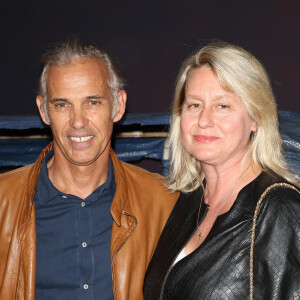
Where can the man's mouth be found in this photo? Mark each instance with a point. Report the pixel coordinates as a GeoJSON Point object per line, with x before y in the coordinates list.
{"type": "Point", "coordinates": [81, 139]}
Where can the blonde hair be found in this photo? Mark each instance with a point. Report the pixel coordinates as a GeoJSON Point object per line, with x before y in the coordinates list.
{"type": "Point", "coordinates": [242, 74]}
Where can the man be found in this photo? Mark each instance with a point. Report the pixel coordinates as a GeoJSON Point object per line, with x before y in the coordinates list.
{"type": "Point", "coordinates": [78, 223]}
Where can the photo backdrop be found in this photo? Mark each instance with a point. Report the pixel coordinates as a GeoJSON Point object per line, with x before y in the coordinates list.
{"type": "Point", "coordinates": [150, 39]}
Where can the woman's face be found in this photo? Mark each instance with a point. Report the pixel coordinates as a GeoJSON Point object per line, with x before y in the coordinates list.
{"type": "Point", "coordinates": [215, 126]}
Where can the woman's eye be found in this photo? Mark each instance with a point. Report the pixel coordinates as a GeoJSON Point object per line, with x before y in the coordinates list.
{"type": "Point", "coordinates": [223, 106]}
{"type": "Point", "coordinates": [194, 106]}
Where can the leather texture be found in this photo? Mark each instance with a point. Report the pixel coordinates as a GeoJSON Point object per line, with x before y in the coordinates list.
{"type": "Point", "coordinates": [140, 209]}
{"type": "Point", "coordinates": [219, 268]}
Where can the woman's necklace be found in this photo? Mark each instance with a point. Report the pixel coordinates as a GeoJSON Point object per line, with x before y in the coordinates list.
{"type": "Point", "coordinates": [200, 234]}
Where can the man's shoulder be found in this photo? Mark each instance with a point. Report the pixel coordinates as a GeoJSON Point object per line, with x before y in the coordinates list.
{"type": "Point", "coordinates": [141, 176]}
{"type": "Point", "coordinates": [14, 176]}
{"type": "Point", "coordinates": [147, 183]}
{"type": "Point", "coordinates": [138, 171]}
{"type": "Point", "coordinates": [13, 185]}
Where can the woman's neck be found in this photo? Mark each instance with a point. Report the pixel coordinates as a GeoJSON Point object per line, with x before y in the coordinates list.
{"type": "Point", "coordinates": [224, 184]}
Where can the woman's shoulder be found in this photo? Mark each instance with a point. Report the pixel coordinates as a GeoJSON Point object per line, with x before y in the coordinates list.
{"type": "Point", "coordinates": [282, 198]}
{"type": "Point", "coordinates": [286, 196]}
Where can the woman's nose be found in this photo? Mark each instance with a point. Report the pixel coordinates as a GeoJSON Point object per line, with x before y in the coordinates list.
{"type": "Point", "coordinates": [205, 118]}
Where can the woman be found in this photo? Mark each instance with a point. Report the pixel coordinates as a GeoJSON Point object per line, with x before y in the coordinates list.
{"type": "Point", "coordinates": [226, 157]}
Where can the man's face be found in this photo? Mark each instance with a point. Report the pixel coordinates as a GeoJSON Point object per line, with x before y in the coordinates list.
{"type": "Point", "coordinates": [80, 106]}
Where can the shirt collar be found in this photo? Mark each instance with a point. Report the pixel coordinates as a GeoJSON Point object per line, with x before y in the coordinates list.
{"type": "Point", "coordinates": [44, 185]}
{"type": "Point", "coordinates": [46, 191]}
{"type": "Point", "coordinates": [109, 186]}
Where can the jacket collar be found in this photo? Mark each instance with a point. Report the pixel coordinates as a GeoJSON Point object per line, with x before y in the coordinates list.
{"type": "Point", "coordinates": [34, 173]}
{"type": "Point", "coordinates": [120, 202]}
{"type": "Point", "coordinates": [187, 207]}
{"type": "Point", "coordinates": [32, 181]}
{"type": "Point", "coordinates": [254, 190]}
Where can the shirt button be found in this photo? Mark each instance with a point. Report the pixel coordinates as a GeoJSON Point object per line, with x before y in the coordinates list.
{"type": "Point", "coordinates": [83, 204]}
{"type": "Point", "coordinates": [84, 244]}
{"type": "Point", "coordinates": [85, 286]}
{"type": "Point", "coordinates": [65, 197]}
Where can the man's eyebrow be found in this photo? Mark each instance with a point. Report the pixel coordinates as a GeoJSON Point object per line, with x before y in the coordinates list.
{"type": "Point", "coordinates": [58, 100]}
{"type": "Point", "coordinates": [91, 97]}
{"type": "Point", "coordinates": [95, 97]}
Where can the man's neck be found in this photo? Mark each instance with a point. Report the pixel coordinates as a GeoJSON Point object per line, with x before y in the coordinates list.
{"type": "Point", "coordinates": [79, 181]}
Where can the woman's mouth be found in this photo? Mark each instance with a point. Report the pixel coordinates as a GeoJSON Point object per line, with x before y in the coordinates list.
{"type": "Point", "coordinates": [205, 138]}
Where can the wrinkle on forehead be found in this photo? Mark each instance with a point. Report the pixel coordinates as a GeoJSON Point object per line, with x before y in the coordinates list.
{"type": "Point", "coordinates": [71, 78]}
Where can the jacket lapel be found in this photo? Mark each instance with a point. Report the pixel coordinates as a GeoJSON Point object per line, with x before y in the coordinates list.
{"type": "Point", "coordinates": [121, 211]}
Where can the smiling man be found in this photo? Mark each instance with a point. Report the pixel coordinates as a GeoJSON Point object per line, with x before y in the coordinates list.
{"type": "Point", "coordinates": [78, 223]}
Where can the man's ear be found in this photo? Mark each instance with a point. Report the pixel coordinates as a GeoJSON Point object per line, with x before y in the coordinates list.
{"type": "Point", "coordinates": [122, 97]}
{"type": "Point", "coordinates": [40, 105]}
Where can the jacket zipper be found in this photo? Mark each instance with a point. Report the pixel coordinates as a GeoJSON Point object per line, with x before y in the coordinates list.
{"type": "Point", "coordinates": [172, 264]}
{"type": "Point", "coordinates": [114, 256]}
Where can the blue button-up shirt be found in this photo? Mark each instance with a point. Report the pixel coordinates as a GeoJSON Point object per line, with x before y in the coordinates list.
{"type": "Point", "coordinates": [73, 241]}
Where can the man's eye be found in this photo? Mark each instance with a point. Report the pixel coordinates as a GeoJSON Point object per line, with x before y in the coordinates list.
{"type": "Point", "coordinates": [94, 102]}
{"type": "Point", "coordinates": [60, 105]}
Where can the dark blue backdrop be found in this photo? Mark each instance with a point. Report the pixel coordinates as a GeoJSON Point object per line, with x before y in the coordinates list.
{"type": "Point", "coordinates": [19, 152]}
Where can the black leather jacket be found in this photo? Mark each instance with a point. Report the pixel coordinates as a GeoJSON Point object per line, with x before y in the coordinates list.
{"type": "Point", "coordinates": [219, 268]}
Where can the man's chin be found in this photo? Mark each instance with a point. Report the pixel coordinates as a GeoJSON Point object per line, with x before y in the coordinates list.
{"type": "Point", "coordinates": [82, 161]}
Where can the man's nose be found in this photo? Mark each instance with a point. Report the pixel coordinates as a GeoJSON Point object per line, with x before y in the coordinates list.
{"type": "Point", "coordinates": [78, 118]}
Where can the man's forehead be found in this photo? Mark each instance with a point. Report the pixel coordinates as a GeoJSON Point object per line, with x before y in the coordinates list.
{"type": "Point", "coordinates": [80, 70]}
{"type": "Point", "coordinates": [95, 63]}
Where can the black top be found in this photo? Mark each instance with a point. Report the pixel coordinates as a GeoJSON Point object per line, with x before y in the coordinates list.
{"type": "Point", "coordinates": [219, 268]}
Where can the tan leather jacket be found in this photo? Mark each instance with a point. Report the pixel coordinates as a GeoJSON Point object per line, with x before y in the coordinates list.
{"type": "Point", "coordinates": [140, 209]}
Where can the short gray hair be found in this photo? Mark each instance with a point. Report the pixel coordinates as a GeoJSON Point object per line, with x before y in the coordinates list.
{"type": "Point", "coordinates": [68, 52]}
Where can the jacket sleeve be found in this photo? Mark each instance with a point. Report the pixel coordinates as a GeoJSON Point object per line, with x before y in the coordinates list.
{"type": "Point", "coordinates": [277, 247]}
